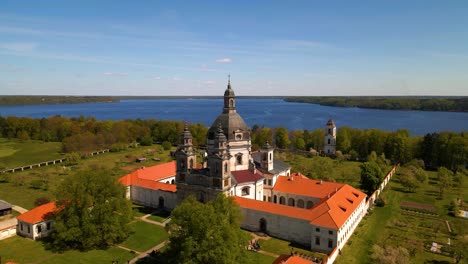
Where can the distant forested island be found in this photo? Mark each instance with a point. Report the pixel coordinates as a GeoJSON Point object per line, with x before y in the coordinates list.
{"type": "Point", "coordinates": [450, 104]}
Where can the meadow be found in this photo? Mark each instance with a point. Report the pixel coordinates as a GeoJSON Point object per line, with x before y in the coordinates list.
{"type": "Point", "coordinates": [391, 225]}
{"type": "Point", "coordinates": [15, 152]}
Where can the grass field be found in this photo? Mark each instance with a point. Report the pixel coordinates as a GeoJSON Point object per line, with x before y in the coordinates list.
{"type": "Point", "coordinates": [258, 258]}
{"type": "Point", "coordinates": [283, 247]}
{"type": "Point", "coordinates": [145, 236]}
{"type": "Point", "coordinates": [22, 250]}
{"type": "Point", "coordinates": [17, 188]}
{"type": "Point", "coordinates": [390, 225]}
{"type": "Point", "coordinates": [15, 152]}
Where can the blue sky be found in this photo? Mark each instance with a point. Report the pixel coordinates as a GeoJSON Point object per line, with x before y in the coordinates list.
{"type": "Point", "coordinates": [268, 47]}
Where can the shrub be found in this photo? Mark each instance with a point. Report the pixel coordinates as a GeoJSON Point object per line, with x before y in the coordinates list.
{"type": "Point", "coordinates": [166, 145]}
{"type": "Point", "coordinates": [380, 202]}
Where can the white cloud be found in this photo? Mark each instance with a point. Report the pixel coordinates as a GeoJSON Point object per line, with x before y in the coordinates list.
{"type": "Point", "coordinates": [157, 78]}
{"type": "Point", "coordinates": [116, 74]}
{"type": "Point", "coordinates": [224, 60]}
{"type": "Point", "coordinates": [209, 82]}
{"type": "Point", "coordinates": [19, 46]}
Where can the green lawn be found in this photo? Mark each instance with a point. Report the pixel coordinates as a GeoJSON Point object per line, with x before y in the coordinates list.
{"type": "Point", "coordinates": [15, 152]}
{"type": "Point", "coordinates": [146, 236]}
{"type": "Point", "coordinates": [390, 225]}
{"type": "Point", "coordinates": [22, 250]}
{"type": "Point", "coordinates": [283, 247]}
{"type": "Point", "coordinates": [159, 216]}
{"type": "Point", "coordinates": [16, 188]}
{"type": "Point", "coordinates": [259, 258]}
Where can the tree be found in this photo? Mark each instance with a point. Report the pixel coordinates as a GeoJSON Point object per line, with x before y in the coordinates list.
{"type": "Point", "coordinates": [371, 177]}
{"type": "Point", "coordinates": [445, 180]}
{"type": "Point", "coordinates": [206, 233]}
{"type": "Point", "coordinates": [390, 255]}
{"type": "Point", "coordinates": [93, 212]}
{"type": "Point", "coordinates": [282, 138]}
{"type": "Point", "coordinates": [41, 200]}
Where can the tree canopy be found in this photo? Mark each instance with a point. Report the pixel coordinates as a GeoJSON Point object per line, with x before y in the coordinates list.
{"type": "Point", "coordinates": [207, 233]}
{"type": "Point", "coordinates": [93, 212]}
{"type": "Point", "coordinates": [371, 177]}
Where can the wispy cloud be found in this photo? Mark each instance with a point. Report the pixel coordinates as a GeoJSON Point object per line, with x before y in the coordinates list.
{"type": "Point", "coordinates": [156, 78]}
{"type": "Point", "coordinates": [19, 46]}
{"type": "Point", "coordinates": [224, 60]}
{"type": "Point", "coordinates": [116, 74]}
{"type": "Point", "coordinates": [175, 78]}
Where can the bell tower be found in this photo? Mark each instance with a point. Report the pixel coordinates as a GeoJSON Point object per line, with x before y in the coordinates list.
{"type": "Point", "coordinates": [329, 147]}
{"type": "Point", "coordinates": [185, 155]}
{"type": "Point", "coordinates": [218, 162]}
{"type": "Point", "coordinates": [267, 157]}
{"type": "Point", "coordinates": [229, 99]}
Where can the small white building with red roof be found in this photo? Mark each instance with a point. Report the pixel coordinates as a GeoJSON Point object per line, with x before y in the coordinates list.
{"type": "Point", "coordinates": [36, 223]}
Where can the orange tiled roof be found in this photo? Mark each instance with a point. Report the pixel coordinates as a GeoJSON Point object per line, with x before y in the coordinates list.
{"type": "Point", "coordinates": [300, 185]}
{"type": "Point", "coordinates": [288, 259]}
{"type": "Point", "coordinates": [38, 214]}
{"type": "Point", "coordinates": [331, 212]}
{"type": "Point", "coordinates": [135, 179]}
{"type": "Point", "coordinates": [157, 172]}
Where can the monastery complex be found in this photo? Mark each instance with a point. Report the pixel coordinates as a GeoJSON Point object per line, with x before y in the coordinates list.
{"type": "Point", "coordinates": [317, 214]}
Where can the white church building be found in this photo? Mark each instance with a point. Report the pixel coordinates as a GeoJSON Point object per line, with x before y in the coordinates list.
{"type": "Point", "coordinates": [317, 214]}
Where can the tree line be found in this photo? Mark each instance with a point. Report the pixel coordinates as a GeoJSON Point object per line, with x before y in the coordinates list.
{"type": "Point", "coordinates": [84, 134]}
{"type": "Point", "coordinates": [389, 103]}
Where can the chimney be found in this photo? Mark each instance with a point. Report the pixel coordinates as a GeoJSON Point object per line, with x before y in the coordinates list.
{"type": "Point", "coordinates": [321, 181]}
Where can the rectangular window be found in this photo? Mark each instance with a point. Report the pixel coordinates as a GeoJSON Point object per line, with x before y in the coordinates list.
{"type": "Point", "coordinates": [330, 243]}
{"type": "Point", "coordinates": [265, 181]}
{"type": "Point", "coordinates": [39, 229]}
{"type": "Point", "coordinates": [330, 232]}
{"type": "Point", "coordinates": [29, 229]}
{"type": "Point", "coordinates": [264, 198]}
{"type": "Point", "coordinates": [269, 182]}
{"type": "Point", "coordinates": [21, 226]}
{"type": "Point", "coordinates": [269, 199]}
{"type": "Point", "coordinates": [48, 226]}
{"type": "Point", "coordinates": [317, 240]}
{"type": "Point", "coordinates": [317, 229]}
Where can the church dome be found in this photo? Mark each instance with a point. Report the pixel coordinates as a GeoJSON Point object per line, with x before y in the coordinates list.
{"type": "Point", "coordinates": [229, 92]}
{"type": "Point", "coordinates": [230, 123]}
{"type": "Point", "coordinates": [330, 122]}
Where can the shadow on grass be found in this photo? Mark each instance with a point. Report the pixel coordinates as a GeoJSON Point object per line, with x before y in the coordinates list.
{"type": "Point", "coordinates": [155, 257]}
{"type": "Point", "coordinates": [49, 245]}
{"type": "Point", "coordinates": [437, 262]}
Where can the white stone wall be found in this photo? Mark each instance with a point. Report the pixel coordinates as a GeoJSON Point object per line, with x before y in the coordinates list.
{"type": "Point", "coordinates": [323, 239]}
{"type": "Point", "coordinates": [32, 230]}
{"type": "Point", "coordinates": [8, 232]}
{"type": "Point", "coordinates": [239, 147]}
{"type": "Point", "coordinates": [283, 227]}
{"type": "Point", "coordinates": [151, 198]}
{"type": "Point", "coordinates": [346, 230]}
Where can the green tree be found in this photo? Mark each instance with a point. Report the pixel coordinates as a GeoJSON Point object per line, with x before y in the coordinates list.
{"type": "Point", "coordinates": [282, 138]}
{"type": "Point", "coordinates": [445, 180]}
{"type": "Point", "coordinates": [93, 212]}
{"type": "Point", "coordinates": [371, 177]}
{"type": "Point", "coordinates": [207, 233]}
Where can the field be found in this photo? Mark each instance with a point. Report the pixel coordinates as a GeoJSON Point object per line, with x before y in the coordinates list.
{"type": "Point", "coordinates": [145, 236]}
{"type": "Point", "coordinates": [415, 231]}
{"type": "Point", "coordinates": [23, 188]}
{"type": "Point", "coordinates": [15, 152]}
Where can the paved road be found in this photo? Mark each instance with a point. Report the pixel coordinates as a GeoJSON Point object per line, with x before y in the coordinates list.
{"type": "Point", "coordinates": [8, 222]}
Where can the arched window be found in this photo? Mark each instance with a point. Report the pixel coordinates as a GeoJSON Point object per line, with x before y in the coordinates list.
{"type": "Point", "coordinates": [191, 163]}
{"type": "Point", "coordinates": [172, 182]}
{"type": "Point", "coordinates": [225, 168]}
{"type": "Point", "coordinates": [300, 203]}
{"type": "Point", "coordinates": [271, 157]}
{"type": "Point", "coordinates": [309, 204]}
{"type": "Point", "coordinates": [275, 199]}
{"type": "Point", "coordinates": [238, 136]}
{"type": "Point", "coordinates": [239, 159]}
{"type": "Point", "coordinates": [328, 141]}
{"type": "Point", "coordinates": [245, 191]}
{"type": "Point", "coordinates": [282, 200]}
{"type": "Point", "coordinates": [291, 202]}
{"type": "Point", "coordinates": [231, 102]}
{"type": "Point", "coordinates": [263, 225]}
{"type": "Point", "coordinates": [329, 131]}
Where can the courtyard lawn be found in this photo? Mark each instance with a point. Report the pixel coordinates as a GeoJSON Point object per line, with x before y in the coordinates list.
{"type": "Point", "coordinates": [146, 236]}
{"type": "Point", "coordinates": [283, 247]}
{"type": "Point", "coordinates": [159, 216]}
{"type": "Point", "coordinates": [17, 188]}
{"type": "Point", "coordinates": [14, 152]}
{"type": "Point", "coordinates": [259, 258]}
{"type": "Point", "coordinates": [140, 210]}
{"type": "Point", "coordinates": [391, 225]}
{"type": "Point", "coordinates": [22, 250]}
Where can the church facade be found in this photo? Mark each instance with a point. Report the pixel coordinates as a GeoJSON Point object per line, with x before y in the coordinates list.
{"type": "Point", "coordinates": [320, 215]}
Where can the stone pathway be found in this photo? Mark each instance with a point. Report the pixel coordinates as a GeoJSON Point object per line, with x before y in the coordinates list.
{"type": "Point", "coordinates": [145, 219]}
{"type": "Point", "coordinates": [19, 209]}
{"type": "Point", "coordinates": [146, 253]}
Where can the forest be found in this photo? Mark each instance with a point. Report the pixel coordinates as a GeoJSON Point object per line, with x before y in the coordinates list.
{"type": "Point", "coordinates": [449, 104]}
{"type": "Point", "coordinates": [41, 100]}
{"type": "Point", "coordinates": [86, 134]}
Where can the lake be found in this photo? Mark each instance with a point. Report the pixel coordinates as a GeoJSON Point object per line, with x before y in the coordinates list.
{"type": "Point", "coordinates": [263, 112]}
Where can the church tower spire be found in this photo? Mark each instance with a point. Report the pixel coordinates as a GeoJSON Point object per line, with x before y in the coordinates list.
{"type": "Point", "coordinates": [229, 98]}
{"type": "Point", "coordinates": [185, 155]}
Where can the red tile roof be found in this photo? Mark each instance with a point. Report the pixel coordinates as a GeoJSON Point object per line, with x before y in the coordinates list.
{"type": "Point", "coordinates": [145, 179]}
{"type": "Point", "coordinates": [38, 214]}
{"type": "Point", "coordinates": [301, 185]}
{"type": "Point", "coordinates": [157, 172]}
{"type": "Point", "coordinates": [288, 259]}
{"type": "Point", "coordinates": [246, 176]}
{"type": "Point", "coordinates": [331, 212]}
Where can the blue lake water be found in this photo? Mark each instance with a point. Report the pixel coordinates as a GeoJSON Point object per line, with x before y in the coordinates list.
{"type": "Point", "coordinates": [263, 112]}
